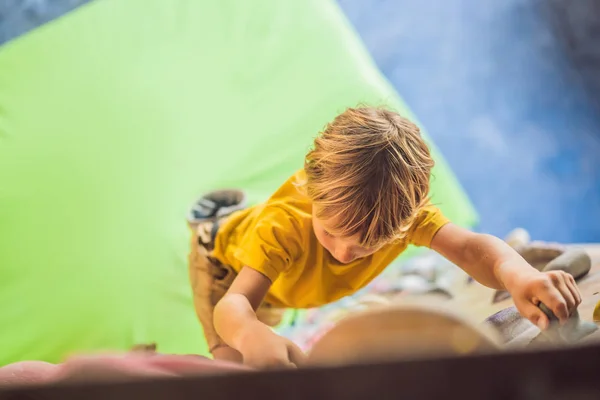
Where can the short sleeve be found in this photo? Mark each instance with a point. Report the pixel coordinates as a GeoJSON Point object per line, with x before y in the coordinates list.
{"type": "Point", "coordinates": [271, 244]}
{"type": "Point", "coordinates": [428, 222]}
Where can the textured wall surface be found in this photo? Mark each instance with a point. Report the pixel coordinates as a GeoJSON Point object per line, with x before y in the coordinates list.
{"type": "Point", "coordinates": [503, 100]}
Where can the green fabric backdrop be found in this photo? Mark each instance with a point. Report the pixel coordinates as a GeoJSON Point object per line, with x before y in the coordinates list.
{"type": "Point", "coordinates": [115, 117]}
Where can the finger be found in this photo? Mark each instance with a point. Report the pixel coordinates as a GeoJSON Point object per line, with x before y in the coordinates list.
{"type": "Point", "coordinates": [276, 364]}
{"type": "Point", "coordinates": [537, 317]}
{"type": "Point", "coordinates": [297, 356]}
{"type": "Point", "coordinates": [288, 365]}
{"type": "Point", "coordinates": [572, 285]}
{"type": "Point", "coordinates": [553, 298]}
{"type": "Point", "coordinates": [566, 294]}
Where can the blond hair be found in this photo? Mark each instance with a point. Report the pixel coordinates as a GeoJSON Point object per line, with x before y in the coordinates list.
{"type": "Point", "coordinates": [369, 169]}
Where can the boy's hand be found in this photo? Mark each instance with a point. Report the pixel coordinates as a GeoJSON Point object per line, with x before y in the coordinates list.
{"type": "Point", "coordinates": [556, 289]}
{"type": "Point", "coordinates": [493, 263]}
{"type": "Point", "coordinates": [262, 348]}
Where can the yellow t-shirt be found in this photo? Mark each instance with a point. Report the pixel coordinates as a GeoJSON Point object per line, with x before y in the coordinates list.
{"type": "Point", "coordinates": [276, 238]}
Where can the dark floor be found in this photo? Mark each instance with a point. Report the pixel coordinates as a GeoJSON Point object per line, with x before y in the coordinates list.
{"type": "Point", "coordinates": [493, 88]}
{"type": "Point", "coordinates": [499, 96]}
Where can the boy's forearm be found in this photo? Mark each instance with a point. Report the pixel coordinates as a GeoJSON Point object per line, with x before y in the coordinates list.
{"type": "Point", "coordinates": [495, 263]}
{"type": "Point", "coordinates": [232, 315]}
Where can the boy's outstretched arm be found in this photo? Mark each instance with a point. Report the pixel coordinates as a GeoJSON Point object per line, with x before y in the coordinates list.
{"type": "Point", "coordinates": [236, 323]}
{"type": "Point", "coordinates": [495, 264]}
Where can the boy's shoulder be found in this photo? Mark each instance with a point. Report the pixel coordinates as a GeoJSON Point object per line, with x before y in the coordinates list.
{"type": "Point", "coordinates": [290, 196]}
{"type": "Point", "coordinates": [287, 208]}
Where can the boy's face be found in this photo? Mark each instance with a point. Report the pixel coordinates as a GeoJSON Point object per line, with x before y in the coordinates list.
{"type": "Point", "coordinates": [343, 249]}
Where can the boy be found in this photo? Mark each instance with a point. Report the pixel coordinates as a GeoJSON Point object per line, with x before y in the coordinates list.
{"type": "Point", "coordinates": [359, 201]}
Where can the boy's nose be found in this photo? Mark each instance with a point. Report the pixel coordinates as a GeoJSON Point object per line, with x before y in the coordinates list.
{"type": "Point", "coordinates": [343, 256]}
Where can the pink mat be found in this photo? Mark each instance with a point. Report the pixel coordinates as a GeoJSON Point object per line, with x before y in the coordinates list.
{"type": "Point", "coordinates": [113, 367]}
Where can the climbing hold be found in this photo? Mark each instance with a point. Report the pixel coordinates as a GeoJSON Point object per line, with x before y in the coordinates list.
{"type": "Point", "coordinates": [597, 312]}
{"type": "Point", "coordinates": [517, 238]}
{"type": "Point", "coordinates": [573, 261]}
{"type": "Point", "coordinates": [572, 331]}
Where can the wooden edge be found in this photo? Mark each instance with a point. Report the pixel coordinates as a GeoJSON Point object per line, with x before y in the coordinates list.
{"type": "Point", "coordinates": [551, 374]}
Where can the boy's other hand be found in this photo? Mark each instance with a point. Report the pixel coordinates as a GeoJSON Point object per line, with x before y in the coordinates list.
{"type": "Point", "coordinates": [264, 349]}
{"type": "Point", "coordinates": [555, 289]}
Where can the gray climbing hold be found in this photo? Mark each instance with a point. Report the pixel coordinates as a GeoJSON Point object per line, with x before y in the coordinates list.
{"type": "Point", "coordinates": [419, 285]}
{"type": "Point", "coordinates": [573, 261]}
{"type": "Point", "coordinates": [519, 332]}
{"type": "Point", "coordinates": [500, 295]}
{"type": "Point", "coordinates": [539, 254]}
{"type": "Point", "coordinates": [572, 331]}
{"type": "Point", "coordinates": [509, 323]}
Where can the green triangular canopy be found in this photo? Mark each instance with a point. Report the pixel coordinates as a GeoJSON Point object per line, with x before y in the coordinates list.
{"type": "Point", "coordinates": [116, 116]}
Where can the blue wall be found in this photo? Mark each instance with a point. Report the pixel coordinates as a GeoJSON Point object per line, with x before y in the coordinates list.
{"type": "Point", "coordinates": [20, 16]}
{"type": "Point", "coordinates": [497, 93]}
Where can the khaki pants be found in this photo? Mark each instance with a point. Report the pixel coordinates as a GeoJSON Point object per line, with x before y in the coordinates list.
{"type": "Point", "coordinates": [210, 280]}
